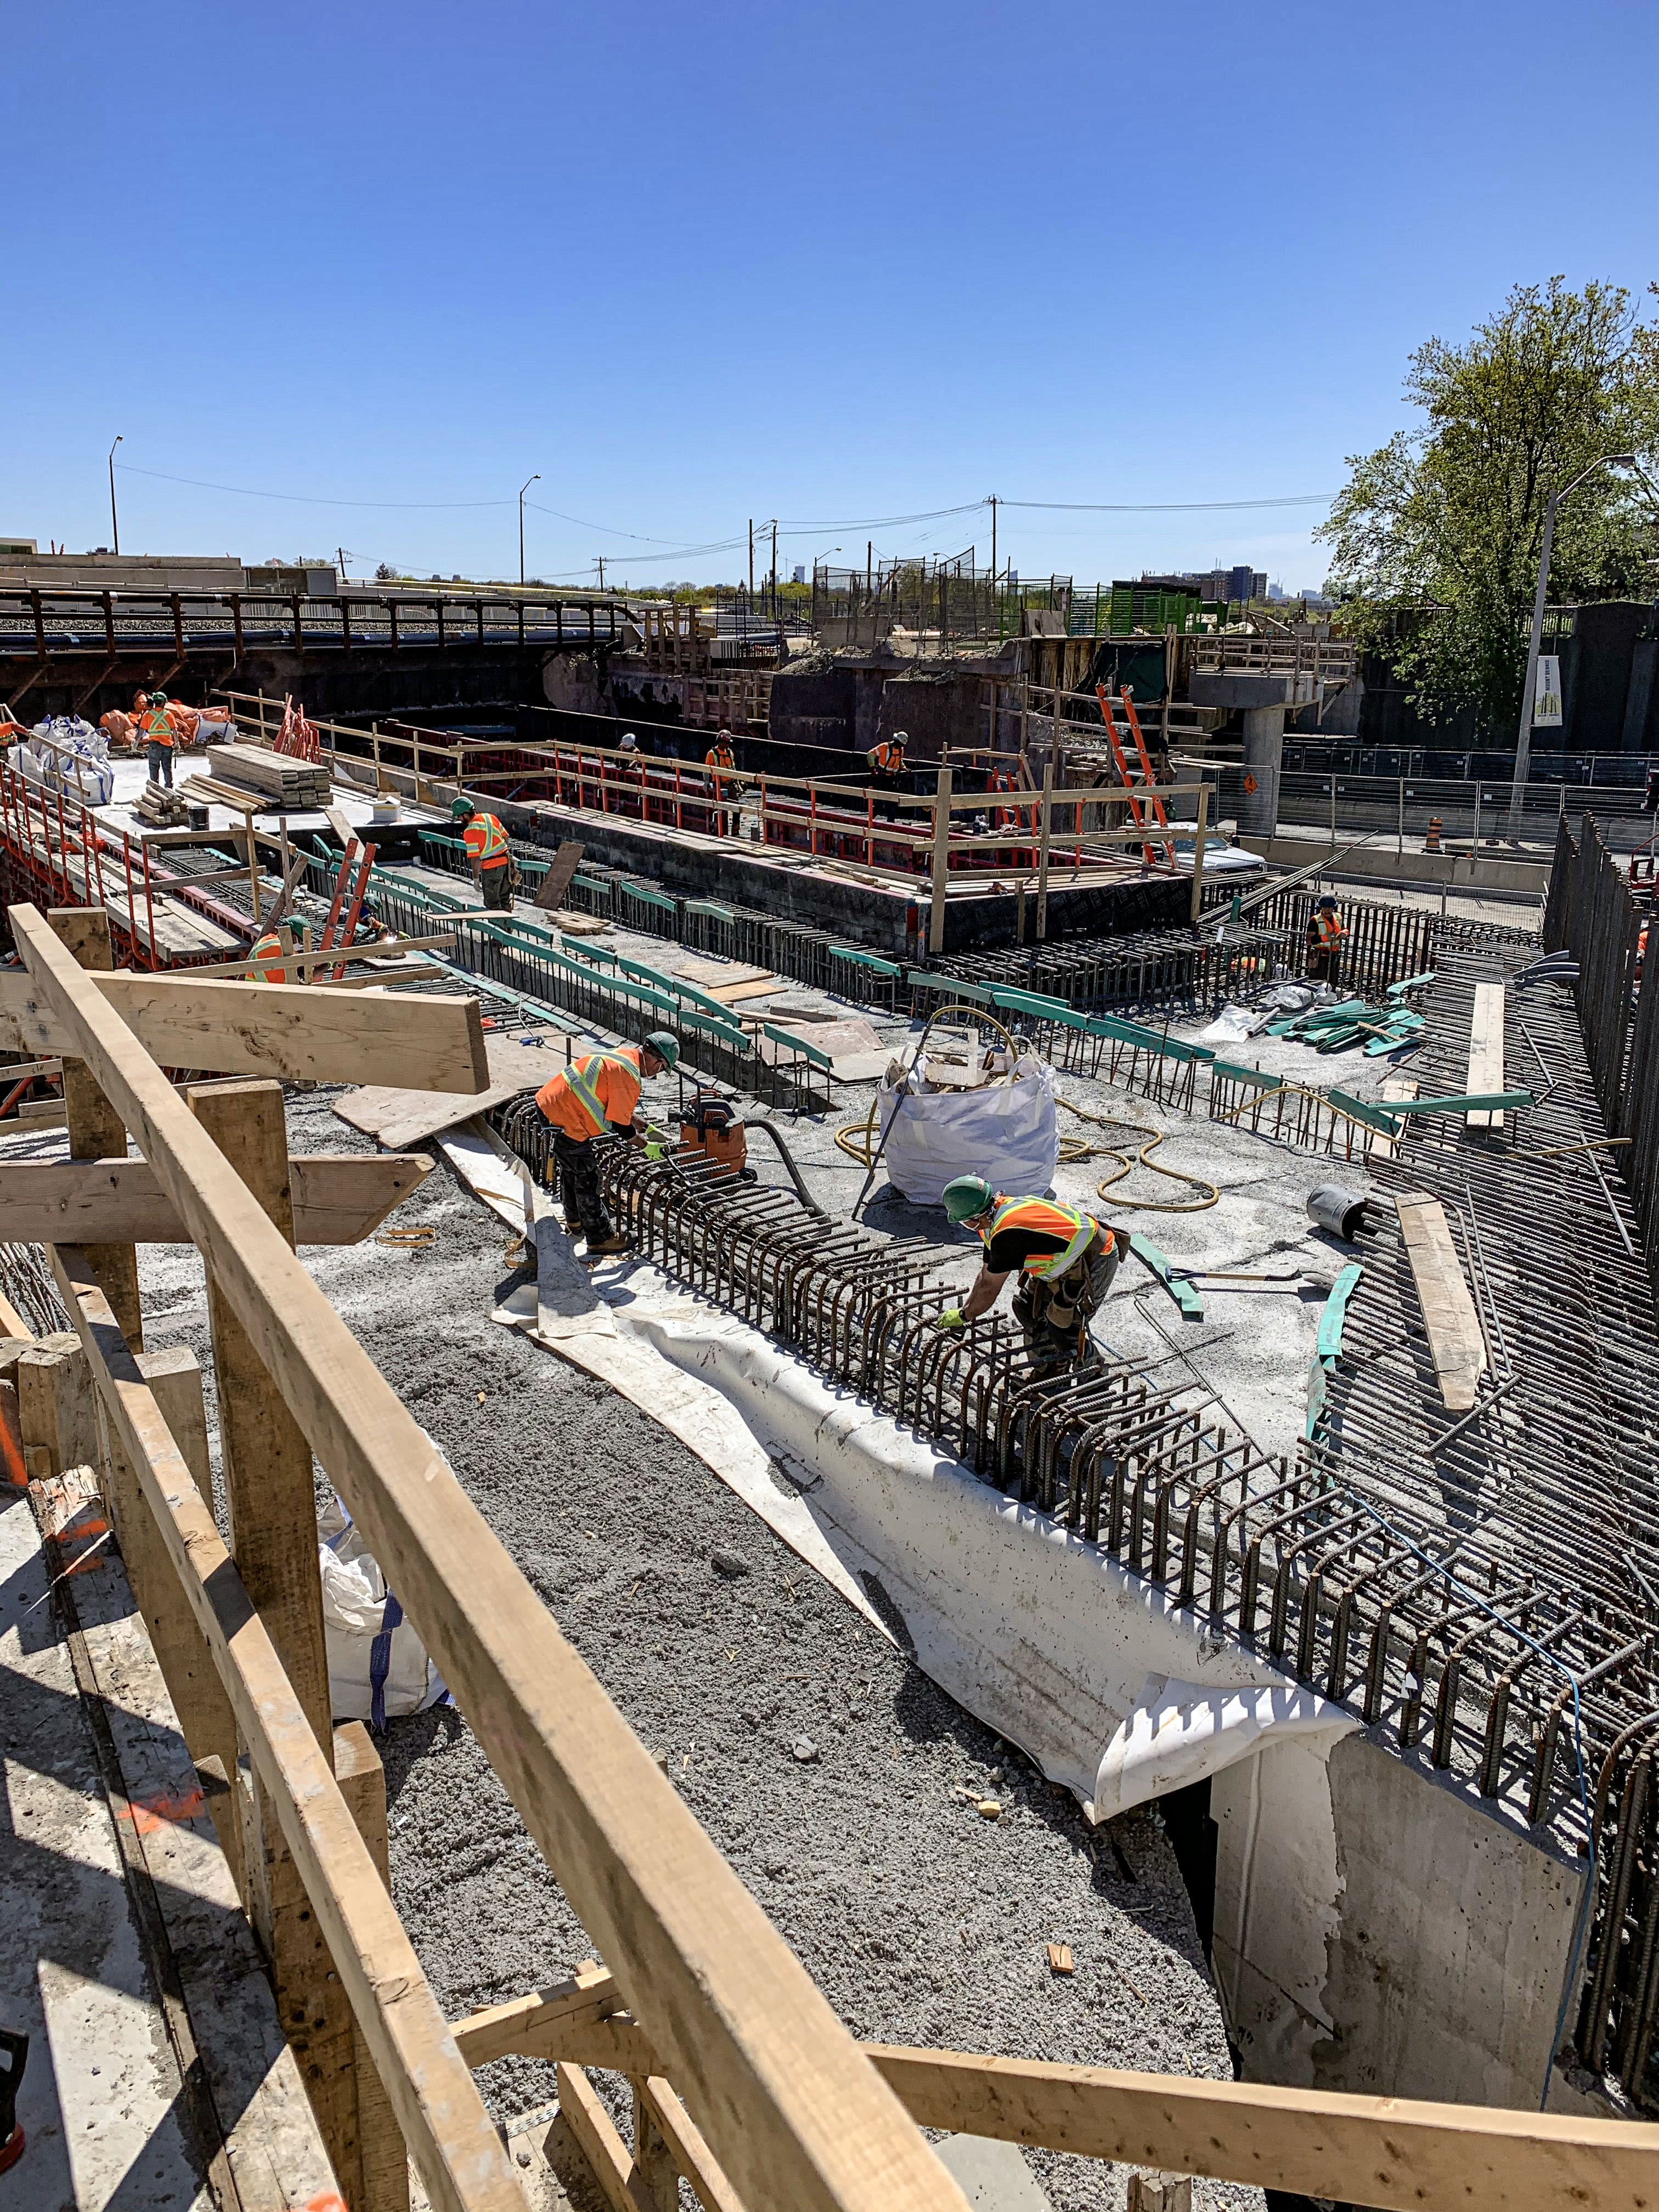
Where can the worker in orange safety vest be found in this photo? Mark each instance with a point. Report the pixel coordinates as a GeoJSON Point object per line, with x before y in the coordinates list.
{"type": "Point", "coordinates": [721, 762]}
{"type": "Point", "coordinates": [489, 852]}
{"type": "Point", "coordinates": [272, 955]}
{"type": "Point", "coordinates": [1325, 935]}
{"type": "Point", "coordinates": [597, 1095]}
{"type": "Point", "coordinates": [1065, 1258]}
{"type": "Point", "coordinates": [157, 733]}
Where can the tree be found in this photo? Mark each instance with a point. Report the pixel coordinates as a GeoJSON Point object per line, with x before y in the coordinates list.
{"type": "Point", "coordinates": [1446, 520]}
{"type": "Point", "coordinates": [386, 574]}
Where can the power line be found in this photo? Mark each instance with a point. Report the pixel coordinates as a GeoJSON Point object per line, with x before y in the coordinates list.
{"type": "Point", "coordinates": [303, 499]}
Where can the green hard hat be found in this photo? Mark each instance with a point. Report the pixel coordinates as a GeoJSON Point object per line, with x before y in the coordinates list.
{"type": "Point", "coordinates": [967, 1195]}
{"type": "Point", "coordinates": [158, 698]}
{"type": "Point", "coordinates": [666, 1047]}
{"type": "Point", "coordinates": [463, 810]}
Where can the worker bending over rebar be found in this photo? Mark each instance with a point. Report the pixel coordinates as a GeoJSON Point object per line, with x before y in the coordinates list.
{"type": "Point", "coordinates": [598, 1096]}
{"type": "Point", "coordinates": [1065, 1258]}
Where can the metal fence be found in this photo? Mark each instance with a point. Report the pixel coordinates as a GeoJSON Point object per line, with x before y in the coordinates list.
{"type": "Point", "coordinates": [1415, 807]}
{"type": "Point", "coordinates": [1592, 914]}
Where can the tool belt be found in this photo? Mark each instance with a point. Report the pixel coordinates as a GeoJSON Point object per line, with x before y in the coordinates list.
{"type": "Point", "coordinates": [1064, 1301]}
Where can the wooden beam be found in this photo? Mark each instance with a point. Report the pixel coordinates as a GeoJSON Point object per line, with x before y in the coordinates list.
{"type": "Point", "coordinates": [789, 2106]}
{"type": "Point", "coordinates": [685, 2146]}
{"type": "Point", "coordinates": [1456, 1343]}
{"type": "Point", "coordinates": [391, 948]}
{"type": "Point", "coordinates": [271, 1509]}
{"type": "Point", "coordinates": [1486, 1053]}
{"type": "Point", "coordinates": [454, 2147]}
{"type": "Point", "coordinates": [574, 2020]}
{"type": "Point", "coordinates": [1397, 2154]}
{"type": "Point", "coordinates": [339, 1197]}
{"type": "Point", "coordinates": [608, 2156]}
{"type": "Point", "coordinates": [316, 1036]}
{"type": "Point", "coordinates": [1386, 2152]}
{"type": "Point", "coordinates": [94, 1128]}
{"type": "Point", "coordinates": [384, 2159]}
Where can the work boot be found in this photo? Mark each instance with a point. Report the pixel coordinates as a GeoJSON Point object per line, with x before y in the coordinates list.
{"type": "Point", "coordinates": [606, 1246]}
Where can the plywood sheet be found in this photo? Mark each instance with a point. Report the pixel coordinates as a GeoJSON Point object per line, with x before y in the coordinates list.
{"type": "Point", "coordinates": [1486, 1053]}
{"type": "Point", "coordinates": [402, 1118]}
{"type": "Point", "coordinates": [1456, 1343]}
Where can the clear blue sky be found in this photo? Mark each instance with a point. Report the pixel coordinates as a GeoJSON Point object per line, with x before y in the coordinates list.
{"type": "Point", "coordinates": [832, 265]}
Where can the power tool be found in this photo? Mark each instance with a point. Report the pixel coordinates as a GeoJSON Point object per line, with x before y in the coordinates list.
{"type": "Point", "coordinates": [711, 1125]}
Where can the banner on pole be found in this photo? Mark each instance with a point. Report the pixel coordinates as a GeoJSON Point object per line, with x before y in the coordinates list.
{"type": "Point", "coordinates": [1546, 693]}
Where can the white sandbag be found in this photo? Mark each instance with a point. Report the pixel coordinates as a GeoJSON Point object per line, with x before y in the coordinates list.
{"type": "Point", "coordinates": [377, 1665]}
{"type": "Point", "coordinates": [1006, 1131]}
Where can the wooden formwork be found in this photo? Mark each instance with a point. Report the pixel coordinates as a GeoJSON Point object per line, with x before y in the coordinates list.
{"type": "Point", "coordinates": [772, 2104]}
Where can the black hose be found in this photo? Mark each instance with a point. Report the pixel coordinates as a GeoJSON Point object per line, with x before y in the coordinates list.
{"type": "Point", "coordinates": [785, 1155]}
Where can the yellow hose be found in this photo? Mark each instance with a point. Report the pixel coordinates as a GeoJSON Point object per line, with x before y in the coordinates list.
{"type": "Point", "coordinates": [1135, 1156]}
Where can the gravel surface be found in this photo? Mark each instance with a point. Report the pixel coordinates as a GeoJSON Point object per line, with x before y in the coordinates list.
{"type": "Point", "coordinates": [922, 1921]}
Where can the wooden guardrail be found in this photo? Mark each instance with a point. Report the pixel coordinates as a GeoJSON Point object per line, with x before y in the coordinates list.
{"type": "Point", "coordinates": [772, 2106]}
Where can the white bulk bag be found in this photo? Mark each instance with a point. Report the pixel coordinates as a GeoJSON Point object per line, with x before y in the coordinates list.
{"type": "Point", "coordinates": [1005, 1130]}
{"type": "Point", "coordinates": [377, 1664]}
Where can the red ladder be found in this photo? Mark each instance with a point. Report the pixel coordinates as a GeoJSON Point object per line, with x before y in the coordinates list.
{"type": "Point", "coordinates": [1147, 779]}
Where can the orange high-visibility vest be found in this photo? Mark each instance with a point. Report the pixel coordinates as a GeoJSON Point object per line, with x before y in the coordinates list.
{"type": "Point", "coordinates": [600, 1088]}
{"type": "Point", "coordinates": [262, 950]}
{"type": "Point", "coordinates": [1331, 932]}
{"type": "Point", "coordinates": [486, 842]}
{"type": "Point", "coordinates": [887, 758]}
{"type": "Point", "coordinates": [1049, 1217]}
{"type": "Point", "coordinates": [158, 731]}
{"type": "Point", "coordinates": [719, 757]}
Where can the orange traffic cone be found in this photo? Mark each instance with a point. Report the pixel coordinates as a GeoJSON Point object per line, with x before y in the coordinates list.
{"type": "Point", "coordinates": [1432, 843]}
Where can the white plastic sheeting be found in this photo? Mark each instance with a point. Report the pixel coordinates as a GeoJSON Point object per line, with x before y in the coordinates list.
{"type": "Point", "coordinates": [1176, 1733]}
{"type": "Point", "coordinates": [1005, 1130]}
{"type": "Point", "coordinates": [1115, 1692]}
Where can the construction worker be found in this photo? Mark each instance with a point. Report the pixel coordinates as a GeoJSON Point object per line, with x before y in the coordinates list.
{"type": "Point", "coordinates": [598, 1096]}
{"type": "Point", "coordinates": [721, 762]}
{"type": "Point", "coordinates": [1325, 935]}
{"type": "Point", "coordinates": [886, 760]}
{"type": "Point", "coordinates": [268, 949]}
{"type": "Point", "coordinates": [489, 852]}
{"type": "Point", "coordinates": [1065, 1258]}
{"type": "Point", "coordinates": [157, 733]}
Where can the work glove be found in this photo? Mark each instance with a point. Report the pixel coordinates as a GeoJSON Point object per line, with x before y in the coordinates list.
{"type": "Point", "coordinates": [656, 1141]}
{"type": "Point", "coordinates": [952, 1318]}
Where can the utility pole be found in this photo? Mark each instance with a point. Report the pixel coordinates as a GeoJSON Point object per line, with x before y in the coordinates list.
{"type": "Point", "coordinates": [522, 489]}
{"type": "Point", "coordinates": [774, 565]}
{"type": "Point", "coordinates": [752, 565]}
{"type": "Point", "coordinates": [601, 557]}
{"type": "Point", "coordinates": [114, 524]}
{"type": "Point", "coordinates": [993, 560]}
{"type": "Point", "coordinates": [1523, 738]}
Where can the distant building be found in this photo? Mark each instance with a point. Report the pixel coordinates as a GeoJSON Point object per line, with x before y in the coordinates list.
{"type": "Point", "coordinates": [1241, 583]}
{"type": "Point", "coordinates": [800, 572]}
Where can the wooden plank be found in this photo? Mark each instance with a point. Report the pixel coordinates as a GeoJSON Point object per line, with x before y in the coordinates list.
{"type": "Point", "coordinates": [556, 882]}
{"type": "Point", "coordinates": [315, 1036]}
{"type": "Point", "coordinates": [685, 2146]}
{"type": "Point", "coordinates": [94, 1128]}
{"type": "Point", "coordinates": [575, 2020]}
{"type": "Point", "coordinates": [271, 1509]}
{"type": "Point", "coordinates": [788, 2103]}
{"type": "Point", "coordinates": [384, 2161]}
{"type": "Point", "coordinates": [339, 1197]}
{"type": "Point", "coordinates": [608, 2156]}
{"type": "Point", "coordinates": [454, 2144]}
{"type": "Point", "coordinates": [1486, 1052]}
{"type": "Point", "coordinates": [1456, 1343]}
{"type": "Point", "coordinates": [1397, 2154]}
{"type": "Point", "coordinates": [1384, 1147]}
{"type": "Point", "coordinates": [387, 949]}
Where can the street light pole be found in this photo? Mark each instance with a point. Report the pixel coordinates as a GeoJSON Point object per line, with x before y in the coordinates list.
{"type": "Point", "coordinates": [1523, 738]}
{"type": "Point", "coordinates": [114, 525]}
{"type": "Point", "coordinates": [523, 488]}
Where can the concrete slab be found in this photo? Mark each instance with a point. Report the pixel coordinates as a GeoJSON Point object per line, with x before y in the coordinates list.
{"type": "Point", "coordinates": [102, 2102]}
{"type": "Point", "coordinates": [992, 2176]}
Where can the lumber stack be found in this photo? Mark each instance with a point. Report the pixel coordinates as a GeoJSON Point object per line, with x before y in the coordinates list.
{"type": "Point", "coordinates": [164, 809]}
{"type": "Point", "coordinates": [277, 778]}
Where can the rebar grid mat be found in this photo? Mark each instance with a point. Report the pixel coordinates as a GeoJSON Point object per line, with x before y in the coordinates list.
{"type": "Point", "coordinates": [1390, 1585]}
{"type": "Point", "coordinates": [1152, 970]}
{"type": "Point", "coordinates": [1544, 1499]}
{"type": "Point", "coordinates": [26, 1281]}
